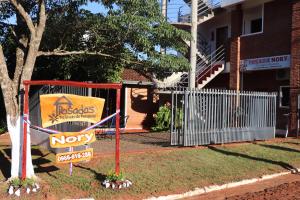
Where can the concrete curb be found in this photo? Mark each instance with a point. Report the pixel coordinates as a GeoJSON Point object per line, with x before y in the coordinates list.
{"type": "Point", "coordinates": [212, 188]}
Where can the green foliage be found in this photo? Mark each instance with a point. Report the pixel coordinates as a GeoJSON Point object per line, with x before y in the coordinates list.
{"type": "Point", "coordinates": [3, 128]}
{"type": "Point", "coordinates": [131, 32]}
{"type": "Point", "coordinates": [16, 182]}
{"type": "Point", "coordinates": [179, 118]}
{"type": "Point", "coordinates": [163, 119]}
{"type": "Point", "coordinates": [28, 182]}
{"type": "Point", "coordinates": [113, 177]}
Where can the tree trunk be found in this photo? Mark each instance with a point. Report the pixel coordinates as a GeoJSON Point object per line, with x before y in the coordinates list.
{"type": "Point", "coordinates": [15, 128]}
{"type": "Point", "coordinates": [14, 122]}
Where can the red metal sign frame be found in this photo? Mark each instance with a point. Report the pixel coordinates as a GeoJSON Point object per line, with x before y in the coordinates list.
{"type": "Point", "coordinates": [27, 84]}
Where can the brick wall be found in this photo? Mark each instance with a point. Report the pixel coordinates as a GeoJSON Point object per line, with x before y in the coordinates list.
{"type": "Point", "coordinates": [276, 37]}
{"type": "Point", "coordinates": [140, 107]}
{"type": "Point", "coordinates": [234, 81]}
{"type": "Point", "coordinates": [295, 68]}
{"type": "Point", "coordinates": [236, 31]}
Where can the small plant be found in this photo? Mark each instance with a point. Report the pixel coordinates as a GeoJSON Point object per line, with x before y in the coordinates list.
{"type": "Point", "coordinates": [113, 177]}
{"type": "Point", "coordinates": [16, 182]}
{"type": "Point", "coordinates": [115, 181]}
{"type": "Point", "coordinates": [3, 127]}
{"type": "Point", "coordinates": [28, 182]}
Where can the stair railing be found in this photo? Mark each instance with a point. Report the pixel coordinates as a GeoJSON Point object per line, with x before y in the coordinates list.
{"type": "Point", "coordinates": [217, 56]}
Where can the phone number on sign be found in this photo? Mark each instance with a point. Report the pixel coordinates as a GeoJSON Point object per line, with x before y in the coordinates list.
{"type": "Point", "coordinates": [74, 156]}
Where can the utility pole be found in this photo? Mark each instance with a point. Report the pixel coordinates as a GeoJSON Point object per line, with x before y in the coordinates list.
{"type": "Point", "coordinates": [193, 56]}
{"type": "Point", "coordinates": [164, 7]}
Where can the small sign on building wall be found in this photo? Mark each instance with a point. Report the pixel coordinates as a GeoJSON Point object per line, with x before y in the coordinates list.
{"type": "Point", "coordinates": [274, 62]}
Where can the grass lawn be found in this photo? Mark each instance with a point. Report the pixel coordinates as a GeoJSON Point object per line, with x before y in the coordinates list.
{"type": "Point", "coordinates": [161, 173]}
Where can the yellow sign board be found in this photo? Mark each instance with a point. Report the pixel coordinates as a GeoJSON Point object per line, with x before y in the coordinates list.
{"type": "Point", "coordinates": [59, 108]}
{"type": "Point", "coordinates": [75, 156]}
{"type": "Point", "coordinates": [71, 139]}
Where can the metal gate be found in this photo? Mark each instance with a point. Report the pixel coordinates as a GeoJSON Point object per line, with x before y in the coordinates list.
{"type": "Point", "coordinates": [210, 116]}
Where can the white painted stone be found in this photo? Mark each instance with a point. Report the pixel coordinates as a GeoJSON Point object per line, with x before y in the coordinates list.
{"type": "Point", "coordinates": [28, 190]}
{"type": "Point", "coordinates": [11, 190]}
{"type": "Point", "coordinates": [34, 190]}
{"type": "Point", "coordinates": [107, 185]}
{"type": "Point", "coordinates": [113, 186]}
{"type": "Point", "coordinates": [37, 186]}
{"type": "Point", "coordinates": [18, 192]}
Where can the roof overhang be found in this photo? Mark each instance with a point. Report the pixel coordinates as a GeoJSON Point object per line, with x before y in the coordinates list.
{"type": "Point", "coordinates": [138, 83]}
{"type": "Point", "coordinates": [226, 3]}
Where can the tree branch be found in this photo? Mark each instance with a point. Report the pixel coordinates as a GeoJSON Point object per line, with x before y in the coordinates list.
{"type": "Point", "coordinates": [42, 18]}
{"type": "Point", "coordinates": [35, 41]}
{"type": "Point", "coordinates": [3, 68]}
{"type": "Point", "coordinates": [69, 53]}
{"type": "Point", "coordinates": [24, 15]}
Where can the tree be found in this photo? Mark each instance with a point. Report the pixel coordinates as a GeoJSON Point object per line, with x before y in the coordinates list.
{"type": "Point", "coordinates": [128, 34]}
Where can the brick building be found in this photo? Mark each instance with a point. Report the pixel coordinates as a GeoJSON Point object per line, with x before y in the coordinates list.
{"type": "Point", "coordinates": [260, 44]}
{"type": "Point", "coordinates": [138, 101]}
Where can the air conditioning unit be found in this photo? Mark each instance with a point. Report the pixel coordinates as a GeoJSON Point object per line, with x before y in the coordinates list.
{"type": "Point", "coordinates": [282, 74]}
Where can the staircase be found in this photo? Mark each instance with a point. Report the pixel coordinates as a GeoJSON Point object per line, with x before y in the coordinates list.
{"type": "Point", "coordinates": [209, 64]}
{"type": "Point", "coordinates": [205, 11]}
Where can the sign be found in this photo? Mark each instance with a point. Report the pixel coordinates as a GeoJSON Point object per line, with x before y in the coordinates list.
{"type": "Point", "coordinates": [75, 156]}
{"type": "Point", "coordinates": [274, 62]}
{"type": "Point", "coordinates": [59, 108]}
{"type": "Point", "coordinates": [71, 139]}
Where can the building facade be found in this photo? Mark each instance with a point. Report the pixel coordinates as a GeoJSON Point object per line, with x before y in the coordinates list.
{"type": "Point", "coordinates": [261, 49]}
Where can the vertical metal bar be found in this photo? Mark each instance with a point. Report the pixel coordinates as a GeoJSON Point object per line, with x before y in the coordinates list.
{"type": "Point", "coordinates": [173, 125]}
{"type": "Point", "coordinates": [25, 118]}
{"type": "Point", "coordinates": [117, 170]}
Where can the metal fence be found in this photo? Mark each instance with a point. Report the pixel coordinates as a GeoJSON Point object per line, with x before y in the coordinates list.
{"type": "Point", "coordinates": [209, 116]}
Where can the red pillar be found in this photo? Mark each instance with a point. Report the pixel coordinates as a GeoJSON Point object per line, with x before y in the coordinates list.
{"type": "Point", "coordinates": [117, 170]}
{"type": "Point", "coordinates": [236, 32]}
{"type": "Point", "coordinates": [25, 118]}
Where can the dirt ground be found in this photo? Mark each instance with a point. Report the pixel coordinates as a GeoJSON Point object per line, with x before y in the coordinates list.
{"type": "Point", "coordinates": [281, 188]}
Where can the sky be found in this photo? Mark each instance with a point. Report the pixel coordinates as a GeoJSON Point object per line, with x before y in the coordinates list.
{"type": "Point", "coordinates": [173, 8]}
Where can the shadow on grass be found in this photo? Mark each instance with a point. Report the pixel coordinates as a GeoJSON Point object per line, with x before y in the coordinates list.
{"type": "Point", "coordinates": [5, 155]}
{"type": "Point", "coordinates": [279, 148]}
{"type": "Point", "coordinates": [294, 143]}
{"type": "Point", "coordinates": [99, 176]}
{"type": "Point", "coordinates": [273, 162]}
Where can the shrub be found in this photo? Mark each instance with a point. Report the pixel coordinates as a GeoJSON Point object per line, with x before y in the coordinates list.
{"type": "Point", "coordinates": [163, 118]}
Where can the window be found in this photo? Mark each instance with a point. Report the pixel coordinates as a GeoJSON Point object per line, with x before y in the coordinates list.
{"type": "Point", "coordinates": [253, 20]}
{"type": "Point", "coordinates": [284, 96]}
{"type": "Point", "coordinates": [256, 25]}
